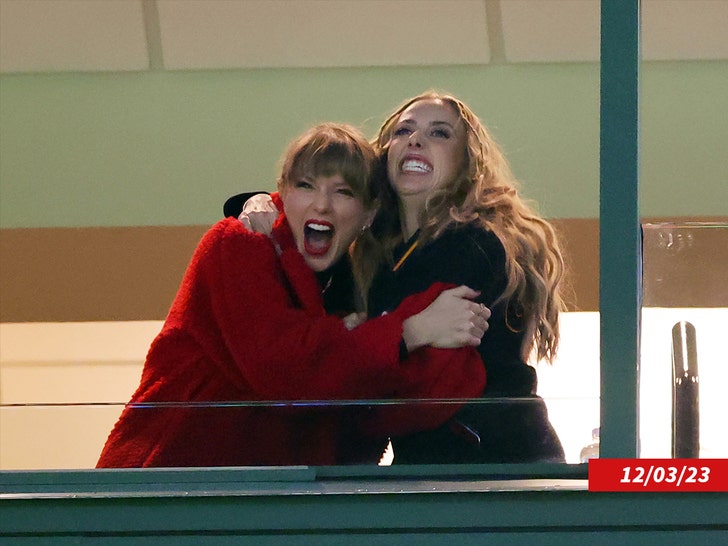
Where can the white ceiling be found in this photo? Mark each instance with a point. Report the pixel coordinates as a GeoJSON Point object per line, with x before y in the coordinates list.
{"type": "Point", "coordinates": [123, 35]}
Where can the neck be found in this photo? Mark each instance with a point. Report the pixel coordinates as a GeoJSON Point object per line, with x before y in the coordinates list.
{"type": "Point", "coordinates": [409, 213]}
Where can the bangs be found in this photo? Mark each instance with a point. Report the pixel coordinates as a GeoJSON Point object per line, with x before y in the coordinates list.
{"type": "Point", "coordinates": [334, 158]}
{"type": "Point", "coordinates": [337, 159]}
{"type": "Point", "coordinates": [329, 150]}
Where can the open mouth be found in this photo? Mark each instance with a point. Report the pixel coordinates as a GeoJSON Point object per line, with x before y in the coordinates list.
{"type": "Point", "coordinates": [317, 237]}
{"type": "Point", "coordinates": [415, 165]}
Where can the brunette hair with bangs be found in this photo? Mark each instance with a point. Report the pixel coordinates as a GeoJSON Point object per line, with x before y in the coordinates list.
{"type": "Point", "coordinates": [329, 149]}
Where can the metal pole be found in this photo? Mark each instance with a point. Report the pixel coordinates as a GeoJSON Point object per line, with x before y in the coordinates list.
{"type": "Point", "coordinates": [619, 229]}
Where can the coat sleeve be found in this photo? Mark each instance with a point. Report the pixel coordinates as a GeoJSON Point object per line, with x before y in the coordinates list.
{"type": "Point", "coordinates": [239, 307]}
{"type": "Point", "coordinates": [435, 385]}
{"type": "Point", "coordinates": [437, 382]}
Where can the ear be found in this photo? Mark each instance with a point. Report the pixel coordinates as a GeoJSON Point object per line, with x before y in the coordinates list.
{"type": "Point", "coordinates": [370, 214]}
{"type": "Point", "coordinates": [279, 197]}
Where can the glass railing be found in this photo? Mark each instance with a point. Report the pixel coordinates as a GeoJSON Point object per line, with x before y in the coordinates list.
{"type": "Point", "coordinates": [64, 385]}
{"type": "Point", "coordinates": [70, 436]}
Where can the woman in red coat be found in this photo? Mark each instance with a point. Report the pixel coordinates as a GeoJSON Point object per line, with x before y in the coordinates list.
{"type": "Point", "coordinates": [247, 357]}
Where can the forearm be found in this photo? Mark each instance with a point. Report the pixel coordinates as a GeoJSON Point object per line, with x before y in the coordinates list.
{"type": "Point", "coordinates": [413, 335]}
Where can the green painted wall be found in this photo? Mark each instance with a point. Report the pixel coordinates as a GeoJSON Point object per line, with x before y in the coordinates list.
{"type": "Point", "coordinates": [166, 148]}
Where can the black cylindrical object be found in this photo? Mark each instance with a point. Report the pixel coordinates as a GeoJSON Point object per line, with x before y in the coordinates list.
{"type": "Point", "coordinates": [685, 408]}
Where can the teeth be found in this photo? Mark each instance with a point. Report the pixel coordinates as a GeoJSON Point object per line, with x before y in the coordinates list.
{"type": "Point", "coordinates": [414, 165]}
{"type": "Point", "coordinates": [318, 227]}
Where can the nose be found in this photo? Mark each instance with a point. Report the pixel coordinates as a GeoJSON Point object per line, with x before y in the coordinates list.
{"type": "Point", "coordinates": [414, 139]}
{"type": "Point", "coordinates": [322, 201]}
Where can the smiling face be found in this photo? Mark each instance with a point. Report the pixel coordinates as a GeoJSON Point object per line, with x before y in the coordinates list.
{"type": "Point", "coordinates": [325, 216]}
{"type": "Point", "coordinates": [426, 148]}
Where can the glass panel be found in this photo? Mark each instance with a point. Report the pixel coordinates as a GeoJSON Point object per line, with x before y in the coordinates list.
{"type": "Point", "coordinates": [570, 386]}
{"type": "Point", "coordinates": [71, 436]}
{"type": "Point", "coordinates": [63, 386]}
{"type": "Point", "coordinates": [684, 366]}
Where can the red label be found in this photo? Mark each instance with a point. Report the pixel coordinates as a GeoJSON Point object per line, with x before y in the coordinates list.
{"type": "Point", "coordinates": [658, 475]}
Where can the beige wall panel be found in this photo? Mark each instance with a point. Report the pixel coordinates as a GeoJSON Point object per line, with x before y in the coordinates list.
{"type": "Point", "coordinates": [684, 29]}
{"type": "Point", "coordinates": [72, 35]}
{"type": "Point", "coordinates": [557, 30]}
{"type": "Point", "coordinates": [270, 33]}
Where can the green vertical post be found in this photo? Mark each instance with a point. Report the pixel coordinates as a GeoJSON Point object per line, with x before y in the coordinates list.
{"type": "Point", "coordinates": [619, 228]}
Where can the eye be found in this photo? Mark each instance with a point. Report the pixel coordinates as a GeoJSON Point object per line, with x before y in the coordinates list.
{"type": "Point", "coordinates": [347, 191]}
{"type": "Point", "coordinates": [303, 184]}
{"type": "Point", "coordinates": [440, 133]}
{"type": "Point", "coordinates": [402, 131]}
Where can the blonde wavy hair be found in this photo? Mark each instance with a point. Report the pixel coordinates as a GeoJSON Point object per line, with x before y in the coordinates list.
{"type": "Point", "coordinates": [485, 191]}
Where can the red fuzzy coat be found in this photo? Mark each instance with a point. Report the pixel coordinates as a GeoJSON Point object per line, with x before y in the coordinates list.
{"type": "Point", "coordinates": [248, 327]}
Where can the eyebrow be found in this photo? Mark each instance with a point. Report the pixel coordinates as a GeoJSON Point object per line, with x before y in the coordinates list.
{"type": "Point", "coordinates": [410, 121]}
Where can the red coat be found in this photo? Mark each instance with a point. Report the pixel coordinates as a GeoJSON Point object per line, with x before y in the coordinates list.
{"type": "Point", "coordinates": [248, 326]}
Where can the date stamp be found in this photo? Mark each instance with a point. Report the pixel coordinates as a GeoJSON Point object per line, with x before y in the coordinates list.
{"type": "Point", "coordinates": [658, 475]}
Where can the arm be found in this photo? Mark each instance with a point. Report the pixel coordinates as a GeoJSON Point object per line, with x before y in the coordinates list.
{"type": "Point", "coordinates": [470, 255]}
{"type": "Point", "coordinates": [434, 380]}
{"type": "Point", "coordinates": [259, 214]}
{"type": "Point", "coordinates": [234, 293]}
{"type": "Point", "coordinates": [453, 374]}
